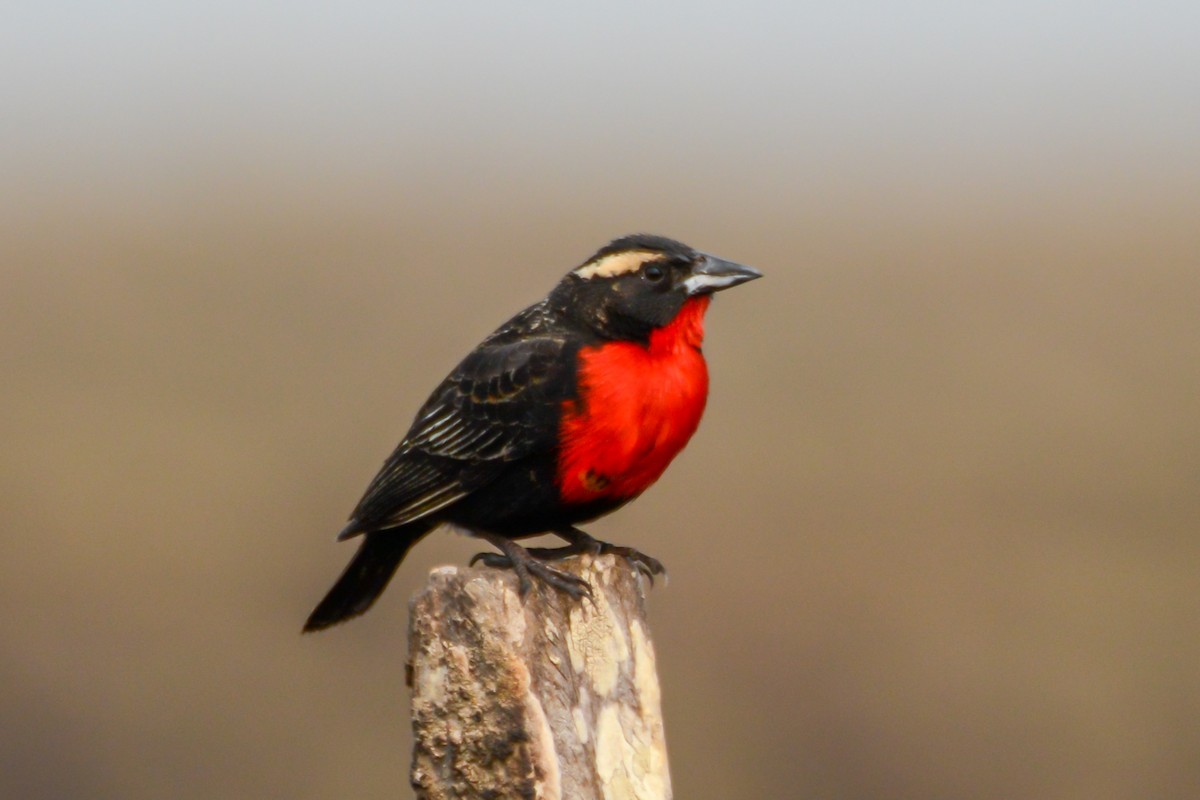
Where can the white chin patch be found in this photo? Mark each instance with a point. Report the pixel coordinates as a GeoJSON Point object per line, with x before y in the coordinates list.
{"type": "Point", "coordinates": [616, 264]}
{"type": "Point", "coordinates": [709, 283]}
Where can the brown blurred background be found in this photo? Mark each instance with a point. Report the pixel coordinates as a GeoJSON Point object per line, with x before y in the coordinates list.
{"type": "Point", "coordinates": [936, 538]}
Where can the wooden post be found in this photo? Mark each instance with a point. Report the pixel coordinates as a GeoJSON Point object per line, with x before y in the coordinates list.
{"type": "Point", "coordinates": [542, 697]}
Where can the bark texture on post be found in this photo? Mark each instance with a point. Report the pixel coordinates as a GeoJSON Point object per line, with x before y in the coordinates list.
{"type": "Point", "coordinates": [543, 697]}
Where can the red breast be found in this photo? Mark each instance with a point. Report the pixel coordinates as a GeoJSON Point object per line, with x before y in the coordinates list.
{"type": "Point", "coordinates": [638, 406]}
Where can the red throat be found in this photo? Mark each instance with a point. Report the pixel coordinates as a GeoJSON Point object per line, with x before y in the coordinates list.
{"type": "Point", "coordinates": [638, 406]}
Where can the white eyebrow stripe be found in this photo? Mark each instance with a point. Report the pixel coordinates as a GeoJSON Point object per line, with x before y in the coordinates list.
{"type": "Point", "coordinates": [614, 264]}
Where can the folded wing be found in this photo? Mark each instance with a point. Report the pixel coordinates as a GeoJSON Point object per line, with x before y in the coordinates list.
{"type": "Point", "coordinates": [500, 405]}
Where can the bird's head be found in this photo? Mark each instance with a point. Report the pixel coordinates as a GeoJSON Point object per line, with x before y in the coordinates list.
{"type": "Point", "coordinates": [639, 283]}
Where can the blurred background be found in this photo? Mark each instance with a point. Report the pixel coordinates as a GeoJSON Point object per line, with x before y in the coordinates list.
{"type": "Point", "coordinates": [936, 538]}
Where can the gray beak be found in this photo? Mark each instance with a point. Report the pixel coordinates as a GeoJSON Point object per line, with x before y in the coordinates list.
{"type": "Point", "coordinates": [713, 274]}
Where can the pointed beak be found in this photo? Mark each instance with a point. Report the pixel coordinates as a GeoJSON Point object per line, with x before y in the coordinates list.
{"type": "Point", "coordinates": [713, 274]}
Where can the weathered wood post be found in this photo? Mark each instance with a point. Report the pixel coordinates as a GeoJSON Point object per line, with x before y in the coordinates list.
{"type": "Point", "coordinates": [542, 697]}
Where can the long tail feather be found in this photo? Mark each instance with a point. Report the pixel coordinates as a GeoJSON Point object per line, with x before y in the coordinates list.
{"type": "Point", "coordinates": [365, 577]}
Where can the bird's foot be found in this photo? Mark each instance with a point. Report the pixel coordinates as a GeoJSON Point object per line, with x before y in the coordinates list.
{"type": "Point", "coordinates": [583, 542]}
{"type": "Point", "coordinates": [528, 565]}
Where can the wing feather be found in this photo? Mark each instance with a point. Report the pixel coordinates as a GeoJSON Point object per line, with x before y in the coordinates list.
{"type": "Point", "coordinates": [499, 405]}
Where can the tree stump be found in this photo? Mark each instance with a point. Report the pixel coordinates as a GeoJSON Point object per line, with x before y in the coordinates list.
{"type": "Point", "coordinates": [536, 697]}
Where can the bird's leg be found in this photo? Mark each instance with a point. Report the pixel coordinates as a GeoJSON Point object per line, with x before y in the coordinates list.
{"type": "Point", "coordinates": [525, 564]}
{"type": "Point", "coordinates": [579, 543]}
{"type": "Point", "coordinates": [583, 542]}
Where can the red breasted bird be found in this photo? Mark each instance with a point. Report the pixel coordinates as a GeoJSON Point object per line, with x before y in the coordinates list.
{"type": "Point", "coordinates": [568, 411]}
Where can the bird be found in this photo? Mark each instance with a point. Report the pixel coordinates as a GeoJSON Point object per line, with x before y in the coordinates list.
{"type": "Point", "coordinates": [565, 413]}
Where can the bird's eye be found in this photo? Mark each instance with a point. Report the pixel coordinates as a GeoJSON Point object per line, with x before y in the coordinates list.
{"type": "Point", "coordinates": [654, 272]}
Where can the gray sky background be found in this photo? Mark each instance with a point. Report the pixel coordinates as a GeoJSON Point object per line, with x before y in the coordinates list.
{"type": "Point", "coordinates": [95, 87]}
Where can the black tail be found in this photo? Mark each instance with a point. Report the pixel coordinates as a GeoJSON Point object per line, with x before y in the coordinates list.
{"type": "Point", "coordinates": [366, 576]}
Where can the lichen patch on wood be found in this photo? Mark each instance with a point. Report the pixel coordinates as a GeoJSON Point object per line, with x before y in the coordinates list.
{"type": "Point", "coordinates": [597, 644]}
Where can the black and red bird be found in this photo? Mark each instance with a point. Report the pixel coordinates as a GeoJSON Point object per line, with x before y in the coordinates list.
{"type": "Point", "coordinates": [568, 411]}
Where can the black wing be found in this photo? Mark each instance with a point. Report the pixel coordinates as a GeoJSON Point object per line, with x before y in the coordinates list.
{"type": "Point", "coordinates": [501, 404]}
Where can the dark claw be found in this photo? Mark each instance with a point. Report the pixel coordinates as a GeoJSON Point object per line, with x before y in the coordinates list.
{"type": "Point", "coordinates": [645, 570]}
{"type": "Point", "coordinates": [582, 542]}
{"type": "Point", "coordinates": [501, 561]}
{"type": "Point", "coordinates": [647, 565]}
{"type": "Point", "coordinates": [494, 560]}
{"type": "Point", "coordinates": [563, 581]}
{"type": "Point", "coordinates": [527, 563]}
